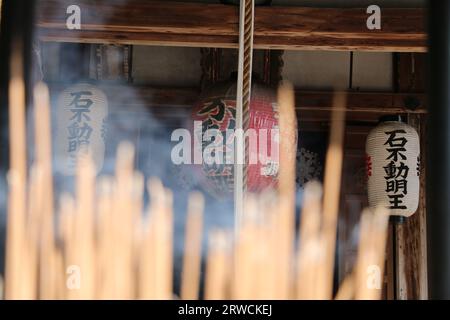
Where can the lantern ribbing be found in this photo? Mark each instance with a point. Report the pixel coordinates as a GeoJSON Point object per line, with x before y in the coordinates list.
{"type": "Point", "coordinates": [393, 152]}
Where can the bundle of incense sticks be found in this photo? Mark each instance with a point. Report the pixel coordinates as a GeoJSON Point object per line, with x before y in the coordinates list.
{"type": "Point", "coordinates": [99, 245]}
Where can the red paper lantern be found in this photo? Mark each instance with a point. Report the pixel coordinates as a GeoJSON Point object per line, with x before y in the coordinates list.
{"type": "Point", "coordinates": [216, 109]}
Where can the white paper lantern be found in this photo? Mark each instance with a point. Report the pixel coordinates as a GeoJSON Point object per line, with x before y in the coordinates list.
{"type": "Point", "coordinates": [393, 151]}
{"type": "Point", "coordinates": [81, 111]}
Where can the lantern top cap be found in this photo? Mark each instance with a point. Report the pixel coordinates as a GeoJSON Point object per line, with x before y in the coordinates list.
{"type": "Point", "coordinates": [391, 118]}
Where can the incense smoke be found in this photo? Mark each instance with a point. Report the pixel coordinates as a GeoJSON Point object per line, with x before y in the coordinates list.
{"type": "Point", "coordinates": [151, 137]}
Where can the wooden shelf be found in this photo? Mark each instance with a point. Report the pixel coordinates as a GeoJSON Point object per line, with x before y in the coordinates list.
{"type": "Point", "coordinates": [216, 25]}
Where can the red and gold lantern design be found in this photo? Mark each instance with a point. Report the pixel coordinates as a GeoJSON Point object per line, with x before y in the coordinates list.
{"type": "Point", "coordinates": [217, 110]}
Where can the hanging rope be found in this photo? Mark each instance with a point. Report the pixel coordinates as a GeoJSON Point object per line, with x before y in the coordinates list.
{"type": "Point", "coordinates": [247, 77]}
{"type": "Point", "coordinates": [246, 23]}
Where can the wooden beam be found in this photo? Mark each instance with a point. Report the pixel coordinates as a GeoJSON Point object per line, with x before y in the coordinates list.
{"type": "Point", "coordinates": [216, 25]}
{"type": "Point", "coordinates": [370, 102]}
{"type": "Point", "coordinates": [129, 98]}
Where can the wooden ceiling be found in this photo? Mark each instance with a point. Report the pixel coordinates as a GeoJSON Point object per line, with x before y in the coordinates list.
{"type": "Point", "coordinates": [216, 25]}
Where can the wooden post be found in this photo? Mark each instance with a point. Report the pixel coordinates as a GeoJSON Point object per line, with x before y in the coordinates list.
{"type": "Point", "coordinates": [438, 138]}
{"type": "Point", "coordinates": [411, 236]}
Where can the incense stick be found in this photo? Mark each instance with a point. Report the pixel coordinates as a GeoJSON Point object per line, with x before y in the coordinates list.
{"type": "Point", "coordinates": [216, 266]}
{"type": "Point", "coordinates": [347, 289]}
{"type": "Point", "coordinates": [1, 288]}
{"type": "Point", "coordinates": [193, 246]}
{"type": "Point", "coordinates": [286, 185]}
{"type": "Point", "coordinates": [161, 229]}
{"type": "Point", "coordinates": [146, 262]}
{"type": "Point", "coordinates": [332, 183]}
{"type": "Point", "coordinates": [105, 242]}
{"type": "Point", "coordinates": [243, 267]}
{"type": "Point", "coordinates": [66, 238]}
{"type": "Point", "coordinates": [33, 225]}
{"type": "Point", "coordinates": [43, 162]}
{"type": "Point", "coordinates": [308, 254]}
{"type": "Point", "coordinates": [84, 246]}
{"type": "Point", "coordinates": [370, 263]}
{"type": "Point", "coordinates": [120, 254]}
{"type": "Point", "coordinates": [125, 218]}
{"type": "Point", "coordinates": [16, 177]}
